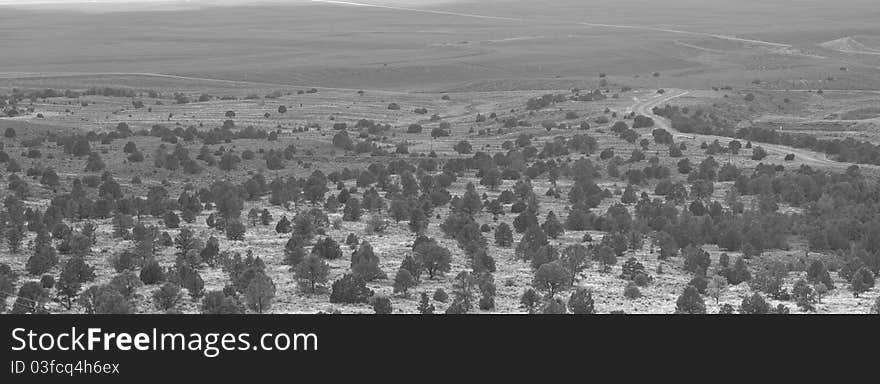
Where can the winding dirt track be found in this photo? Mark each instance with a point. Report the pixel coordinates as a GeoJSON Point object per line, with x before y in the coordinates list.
{"type": "Point", "coordinates": [644, 107]}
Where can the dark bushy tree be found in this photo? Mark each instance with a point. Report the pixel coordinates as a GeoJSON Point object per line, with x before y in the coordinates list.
{"type": "Point", "coordinates": [552, 227]}
{"type": "Point", "coordinates": [365, 263]}
{"type": "Point", "coordinates": [862, 280]}
{"type": "Point", "coordinates": [754, 305]}
{"type": "Point", "coordinates": [581, 302]}
{"type": "Point", "coordinates": [167, 296]}
{"type": "Point", "coordinates": [259, 293]}
{"type": "Point", "coordinates": [503, 235]}
{"type": "Point", "coordinates": [690, 302]}
{"type": "Point", "coordinates": [551, 278]}
{"type": "Point", "coordinates": [425, 307]}
{"type": "Point", "coordinates": [218, 303]}
{"type": "Point", "coordinates": [804, 295]}
{"type": "Point", "coordinates": [403, 281]}
{"type": "Point", "coordinates": [433, 258]}
{"type": "Point", "coordinates": [311, 272]}
{"type": "Point", "coordinates": [381, 305]}
{"type": "Point", "coordinates": [350, 289]}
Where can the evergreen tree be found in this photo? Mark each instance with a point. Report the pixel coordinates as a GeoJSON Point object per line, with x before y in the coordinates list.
{"type": "Point", "coordinates": [31, 298]}
{"type": "Point", "coordinates": [425, 307]}
{"type": "Point", "coordinates": [312, 271]}
{"type": "Point", "coordinates": [167, 296]}
{"type": "Point", "coordinates": [410, 264]}
{"type": "Point", "coordinates": [606, 255]}
{"type": "Point", "coordinates": [862, 280]}
{"type": "Point", "coordinates": [403, 281]}
{"type": "Point", "coordinates": [552, 227]}
{"type": "Point", "coordinates": [218, 303]}
{"type": "Point", "coordinates": [754, 305]}
{"type": "Point", "coordinates": [433, 258]}
{"type": "Point", "coordinates": [260, 292]}
{"type": "Point", "coordinates": [352, 210]}
{"type": "Point", "coordinates": [690, 302]}
{"type": "Point", "coordinates": [581, 302]}
{"type": "Point", "coordinates": [503, 235]}
{"type": "Point", "coordinates": [350, 289]}
{"type": "Point", "coordinates": [365, 263]}
{"type": "Point", "coordinates": [43, 259]}
{"type": "Point", "coordinates": [804, 295]}
{"type": "Point", "coordinates": [283, 225]}
{"type": "Point", "coordinates": [551, 278]}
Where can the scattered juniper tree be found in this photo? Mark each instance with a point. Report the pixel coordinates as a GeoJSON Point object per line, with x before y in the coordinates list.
{"type": "Point", "coordinates": [754, 305]}
{"type": "Point", "coordinates": [260, 292]}
{"type": "Point", "coordinates": [552, 227]}
{"type": "Point", "coordinates": [218, 303]}
{"type": "Point", "coordinates": [804, 295]}
{"type": "Point", "coordinates": [381, 305]}
{"type": "Point", "coordinates": [365, 263]}
{"type": "Point", "coordinates": [403, 281]}
{"type": "Point", "coordinates": [581, 302]}
{"type": "Point", "coordinates": [311, 272]}
{"type": "Point", "coordinates": [503, 235]}
{"type": "Point", "coordinates": [433, 258]}
{"type": "Point", "coordinates": [167, 296]}
{"type": "Point", "coordinates": [551, 278]}
{"type": "Point", "coordinates": [350, 289]}
{"type": "Point", "coordinates": [530, 300]}
{"type": "Point", "coordinates": [425, 307]}
{"type": "Point", "coordinates": [690, 302]}
{"type": "Point", "coordinates": [862, 280]}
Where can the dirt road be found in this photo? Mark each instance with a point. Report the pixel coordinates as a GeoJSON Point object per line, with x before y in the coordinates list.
{"type": "Point", "coordinates": [645, 105]}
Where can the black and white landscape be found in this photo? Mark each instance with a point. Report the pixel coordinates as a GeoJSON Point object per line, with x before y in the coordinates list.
{"type": "Point", "coordinates": [460, 156]}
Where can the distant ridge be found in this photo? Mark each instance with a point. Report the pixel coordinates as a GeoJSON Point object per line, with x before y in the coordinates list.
{"type": "Point", "coordinates": [849, 44]}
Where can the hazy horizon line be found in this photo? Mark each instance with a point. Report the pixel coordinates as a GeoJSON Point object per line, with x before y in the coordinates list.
{"type": "Point", "coordinates": [111, 6]}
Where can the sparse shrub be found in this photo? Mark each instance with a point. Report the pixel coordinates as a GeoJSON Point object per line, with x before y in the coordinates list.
{"type": "Point", "coordinates": [862, 281]}
{"type": "Point", "coordinates": [440, 295]}
{"type": "Point", "coordinates": [125, 260]}
{"type": "Point", "coordinates": [167, 296]}
{"type": "Point", "coordinates": [804, 295]}
{"type": "Point", "coordinates": [152, 273]}
{"type": "Point", "coordinates": [581, 302]}
{"type": "Point", "coordinates": [235, 230]}
{"type": "Point", "coordinates": [631, 291]}
{"type": "Point", "coordinates": [218, 303]}
{"type": "Point", "coordinates": [425, 307]}
{"type": "Point", "coordinates": [403, 281]}
{"type": "Point", "coordinates": [381, 305]}
{"type": "Point", "coordinates": [327, 249]}
{"type": "Point", "coordinates": [754, 305]}
{"type": "Point", "coordinates": [503, 235]}
{"type": "Point", "coordinates": [725, 309]}
{"type": "Point", "coordinates": [104, 299]}
{"type": "Point", "coordinates": [43, 259]}
{"type": "Point", "coordinates": [530, 300]}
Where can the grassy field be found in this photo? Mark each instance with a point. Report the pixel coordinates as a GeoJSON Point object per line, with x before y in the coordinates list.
{"type": "Point", "coordinates": [527, 47]}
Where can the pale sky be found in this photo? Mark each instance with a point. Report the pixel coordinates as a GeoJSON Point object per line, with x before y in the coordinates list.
{"type": "Point", "coordinates": [208, 2]}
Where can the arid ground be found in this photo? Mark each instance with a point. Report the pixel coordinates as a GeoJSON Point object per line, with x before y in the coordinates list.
{"type": "Point", "coordinates": [812, 68]}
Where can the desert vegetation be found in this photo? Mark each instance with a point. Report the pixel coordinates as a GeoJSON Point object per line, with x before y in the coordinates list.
{"type": "Point", "coordinates": [526, 172]}
{"type": "Point", "coordinates": [577, 210]}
